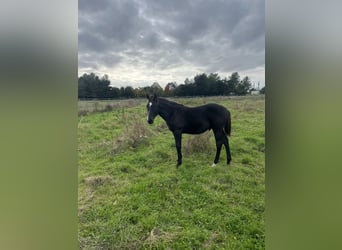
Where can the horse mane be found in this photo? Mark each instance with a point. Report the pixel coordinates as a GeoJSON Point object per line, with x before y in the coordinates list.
{"type": "Point", "coordinates": [170, 102]}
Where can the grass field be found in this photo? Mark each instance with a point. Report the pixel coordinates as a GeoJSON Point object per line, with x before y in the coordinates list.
{"type": "Point", "coordinates": [131, 196]}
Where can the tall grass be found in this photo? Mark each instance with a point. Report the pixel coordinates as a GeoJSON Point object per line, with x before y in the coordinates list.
{"type": "Point", "coordinates": [95, 106]}
{"type": "Point", "coordinates": [198, 143]}
{"type": "Point", "coordinates": [135, 132]}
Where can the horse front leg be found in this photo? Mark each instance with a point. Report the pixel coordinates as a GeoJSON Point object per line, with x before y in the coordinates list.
{"type": "Point", "coordinates": [178, 139]}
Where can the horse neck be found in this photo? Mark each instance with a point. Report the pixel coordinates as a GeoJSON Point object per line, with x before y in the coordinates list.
{"type": "Point", "coordinates": [165, 109]}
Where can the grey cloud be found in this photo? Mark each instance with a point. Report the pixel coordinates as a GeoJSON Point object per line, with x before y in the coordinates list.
{"type": "Point", "coordinates": [250, 28]}
{"type": "Point", "coordinates": [118, 23]}
{"type": "Point", "coordinates": [211, 35]}
{"type": "Point", "coordinates": [87, 62]}
{"type": "Point", "coordinates": [111, 60]}
{"type": "Point", "coordinates": [96, 60]}
{"type": "Point", "coordinates": [89, 42]}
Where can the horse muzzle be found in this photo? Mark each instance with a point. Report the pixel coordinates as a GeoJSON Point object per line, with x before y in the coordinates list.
{"type": "Point", "coordinates": [150, 121]}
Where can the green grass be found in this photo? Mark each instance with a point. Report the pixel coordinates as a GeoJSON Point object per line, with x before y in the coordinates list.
{"type": "Point", "coordinates": [131, 196]}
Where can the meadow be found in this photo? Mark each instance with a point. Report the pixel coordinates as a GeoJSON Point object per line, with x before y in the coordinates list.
{"type": "Point", "coordinates": [131, 196]}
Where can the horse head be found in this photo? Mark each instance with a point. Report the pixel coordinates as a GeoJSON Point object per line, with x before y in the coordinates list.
{"type": "Point", "coordinates": [152, 108]}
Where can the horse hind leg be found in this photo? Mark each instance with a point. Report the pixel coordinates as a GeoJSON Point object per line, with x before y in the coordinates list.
{"type": "Point", "coordinates": [218, 151]}
{"type": "Point", "coordinates": [178, 140]}
{"type": "Point", "coordinates": [226, 145]}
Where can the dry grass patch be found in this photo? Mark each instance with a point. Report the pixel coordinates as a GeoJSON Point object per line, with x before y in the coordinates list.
{"type": "Point", "coordinates": [89, 107]}
{"type": "Point", "coordinates": [95, 181]}
{"type": "Point", "coordinates": [136, 132]}
{"type": "Point", "coordinates": [214, 241]}
{"type": "Point", "coordinates": [158, 235]}
{"type": "Point", "coordinates": [198, 143]}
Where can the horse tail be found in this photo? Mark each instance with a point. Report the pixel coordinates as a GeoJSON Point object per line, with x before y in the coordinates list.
{"type": "Point", "coordinates": [227, 125]}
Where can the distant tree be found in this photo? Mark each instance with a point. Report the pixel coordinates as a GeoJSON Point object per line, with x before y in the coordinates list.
{"type": "Point", "coordinates": [122, 91]}
{"type": "Point", "coordinates": [128, 92]}
{"type": "Point", "coordinates": [138, 92]}
{"type": "Point", "coordinates": [91, 86]}
{"type": "Point", "coordinates": [243, 86]}
{"type": "Point", "coordinates": [189, 87]}
{"type": "Point", "coordinates": [114, 92]}
{"type": "Point", "coordinates": [263, 90]}
{"type": "Point", "coordinates": [201, 83]}
{"type": "Point", "coordinates": [146, 91]}
{"type": "Point", "coordinates": [216, 85]}
{"type": "Point", "coordinates": [103, 87]}
{"type": "Point", "coordinates": [83, 87]}
{"type": "Point", "coordinates": [187, 81]}
{"type": "Point", "coordinates": [184, 90]}
{"type": "Point", "coordinates": [232, 83]}
{"type": "Point", "coordinates": [157, 89]}
{"type": "Point", "coordinates": [169, 88]}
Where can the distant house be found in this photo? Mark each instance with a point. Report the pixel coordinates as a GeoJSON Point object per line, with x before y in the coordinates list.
{"type": "Point", "coordinates": [254, 92]}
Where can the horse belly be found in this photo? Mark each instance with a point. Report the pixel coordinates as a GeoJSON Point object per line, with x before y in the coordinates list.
{"type": "Point", "coordinates": [196, 128]}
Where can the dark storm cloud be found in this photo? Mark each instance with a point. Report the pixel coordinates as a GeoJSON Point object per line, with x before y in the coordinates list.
{"type": "Point", "coordinates": [116, 24]}
{"type": "Point", "coordinates": [209, 35]}
{"type": "Point", "coordinates": [186, 21]}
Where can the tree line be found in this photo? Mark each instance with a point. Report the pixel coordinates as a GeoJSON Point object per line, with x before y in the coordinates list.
{"type": "Point", "coordinates": [91, 86]}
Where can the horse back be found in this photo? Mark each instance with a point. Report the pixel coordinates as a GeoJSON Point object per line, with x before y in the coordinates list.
{"type": "Point", "coordinates": [199, 119]}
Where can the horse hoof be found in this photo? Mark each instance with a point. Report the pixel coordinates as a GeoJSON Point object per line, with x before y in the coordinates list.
{"type": "Point", "coordinates": [228, 162]}
{"type": "Point", "coordinates": [214, 165]}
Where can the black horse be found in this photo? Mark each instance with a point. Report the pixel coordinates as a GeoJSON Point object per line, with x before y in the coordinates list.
{"type": "Point", "coordinates": [181, 119]}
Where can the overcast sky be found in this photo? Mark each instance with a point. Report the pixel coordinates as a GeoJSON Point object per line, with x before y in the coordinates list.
{"type": "Point", "coordinates": [138, 42]}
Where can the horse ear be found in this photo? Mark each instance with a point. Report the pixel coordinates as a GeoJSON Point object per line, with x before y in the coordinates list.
{"type": "Point", "coordinates": [155, 97]}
